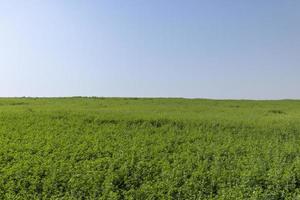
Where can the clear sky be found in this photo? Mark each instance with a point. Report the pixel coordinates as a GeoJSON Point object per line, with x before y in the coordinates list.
{"type": "Point", "coordinates": [150, 48]}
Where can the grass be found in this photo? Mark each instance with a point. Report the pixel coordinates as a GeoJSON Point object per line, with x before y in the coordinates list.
{"type": "Point", "coordinates": [131, 148]}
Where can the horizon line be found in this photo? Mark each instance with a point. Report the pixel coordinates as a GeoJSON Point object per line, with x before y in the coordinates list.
{"type": "Point", "coordinates": [147, 97]}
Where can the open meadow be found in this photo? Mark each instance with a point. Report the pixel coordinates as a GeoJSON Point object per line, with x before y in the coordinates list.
{"type": "Point", "coordinates": [148, 148]}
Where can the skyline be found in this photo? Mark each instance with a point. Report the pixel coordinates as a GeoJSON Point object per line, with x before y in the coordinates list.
{"type": "Point", "coordinates": [207, 49]}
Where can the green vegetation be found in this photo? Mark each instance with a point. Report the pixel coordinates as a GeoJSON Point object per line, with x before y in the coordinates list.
{"type": "Point", "coordinates": [117, 148]}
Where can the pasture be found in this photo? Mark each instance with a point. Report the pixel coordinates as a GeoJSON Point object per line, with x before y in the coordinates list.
{"type": "Point", "coordinates": [149, 148]}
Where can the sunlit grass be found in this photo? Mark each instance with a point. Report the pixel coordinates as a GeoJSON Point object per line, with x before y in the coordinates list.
{"type": "Point", "coordinates": [114, 148]}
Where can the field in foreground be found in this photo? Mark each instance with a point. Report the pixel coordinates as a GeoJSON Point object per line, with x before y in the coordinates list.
{"type": "Point", "coordinates": [117, 148]}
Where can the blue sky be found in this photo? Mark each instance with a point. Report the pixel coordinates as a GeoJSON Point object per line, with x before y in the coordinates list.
{"type": "Point", "coordinates": [170, 48]}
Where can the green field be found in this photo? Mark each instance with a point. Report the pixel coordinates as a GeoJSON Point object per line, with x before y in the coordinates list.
{"type": "Point", "coordinates": [129, 148]}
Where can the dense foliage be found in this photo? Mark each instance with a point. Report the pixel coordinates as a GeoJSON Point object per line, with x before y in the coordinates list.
{"type": "Point", "coordinates": [113, 148]}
